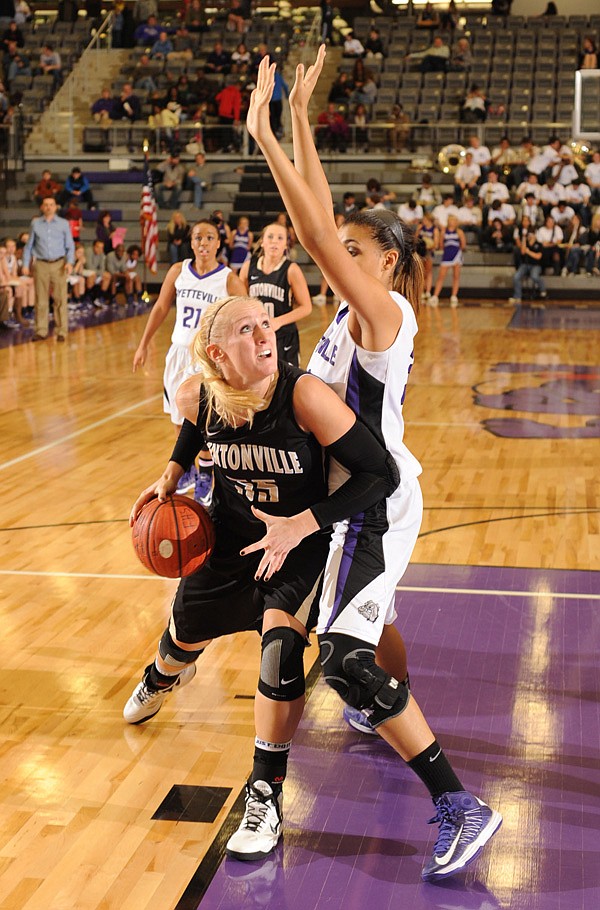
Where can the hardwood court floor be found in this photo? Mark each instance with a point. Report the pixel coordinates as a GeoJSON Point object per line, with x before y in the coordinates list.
{"type": "Point", "coordinates": [505, 423]}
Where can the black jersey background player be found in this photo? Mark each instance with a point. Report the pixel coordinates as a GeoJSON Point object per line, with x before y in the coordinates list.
{"type": "Point", "coordinates": [279, 283]}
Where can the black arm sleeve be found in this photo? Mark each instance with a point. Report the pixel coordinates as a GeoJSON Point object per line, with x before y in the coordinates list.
{"type": "Point", "coordinates": [374, 476]}
{"type": "Point", "coordinates": [189, 442]}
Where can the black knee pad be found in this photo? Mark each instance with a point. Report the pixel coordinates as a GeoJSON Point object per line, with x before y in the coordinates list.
{"type": "Point", "coordinates": [282, 664]}
{"type": "Point", "coordinates": [173, 656]}
{"type": "Point", "coordinates": [349, 667]}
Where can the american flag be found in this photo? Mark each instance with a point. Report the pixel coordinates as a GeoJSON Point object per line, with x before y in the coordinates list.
{"type": "Point", "coordinates": [149, 219]}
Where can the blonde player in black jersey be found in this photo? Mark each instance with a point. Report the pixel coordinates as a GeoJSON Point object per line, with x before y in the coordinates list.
{"type": "Point", "coordinates": [270, 275]}
{"type": "Point", "coordinates": [265, 424]}
{"type": "Point", "coordinates": [366, 354]}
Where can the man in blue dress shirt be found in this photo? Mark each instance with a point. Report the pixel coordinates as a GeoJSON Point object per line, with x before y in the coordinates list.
{"type": "Point", "coordinates": [51, 244]}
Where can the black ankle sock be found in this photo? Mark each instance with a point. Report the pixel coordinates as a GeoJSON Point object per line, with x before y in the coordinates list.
{"type": "Point", "coordinates": [435, 771]}
{"type": "Point", "coordinates": [157, 680]}
{"type": "Point", "coordinates": [270, 763]}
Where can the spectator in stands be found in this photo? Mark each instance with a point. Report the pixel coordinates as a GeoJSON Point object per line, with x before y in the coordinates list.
{"type": "Point", "coordinates": [399, 135]}
{"type": "Point", "coordinates": [341, 90]}
{"type": "Point", "coordinates": [144, 8]}
{"type": "Point", "coordinates": [481, 154]}
{"type": "Point", "coordinates": [238, 15]}
{"type": "Point", "coordinates": [592, 254]}
{"type": "Point", "coordinates": [127, 105]}
{"type": "Point", "coordinates": [173, 174]}
{"type": "Point", "coordinates": [470, 217]}
{"type": "Point", "coordinates": [347, 206]}
{"type": "Point", "coordinates": [374, 48]}
{"type": "Point", "coordinates": [142, 77]}
{"type": "Point", "coordinates": [466, 177]}
{"type": "Point", "coordinates": [550, 236]}
{"type": "Point", "coordinates": [178, 238]}
{"type": "Point", "coordinates": [530, 256]}
{"type": "Point", "coordinates": [442, 212]}
{"type": "Point", "coordinates": [427, 194]}
{"type": "Point", "coordinates": [280, 88]}
{"type": "Point", "coordinates": [475, 106]}
{"type": "Point", "coordinates": [360, 132]}
{"type": "Point", "coordinates": [148, 32]}
{"type": "Point", "coordinates": [164, 120]}
{"type": "Point", "coordinates": [218, 61]}
{"type": "Point", "coordinates": [22, 12]}
{"type": "Point", "coordinates": [526, 151]}
{"type": "Point", "coordinates": [497, 237]}
{"type": "Point", "coordinates": [578, 195]}
{"type": "Point", "coordinates": [492, 189]}
{"type": "Point", "coordinates": [327, 15]}
{"type": "Point", "coordinates": [563, 216]}
{"type": "Point", "coordinates": [261, 51]}
{"type": "Point", "coordinates": [12, 33]}
{"type": "Point", "coordinates": [241, 56]}
{"type": "Point", "coordinates": [133, 281]}
{"type": "Point", "coordinates": [77, 186]}
{"type": "Point", "coordinates": [195, 18]}
{"type": "Point", "coordinates": [96, 264]}
{"type": "Point", "coordinates": [530, 185]}
{"type": "Point", "coordinates": [410, 212]}
{"type": "Point", "coordinates": [502, 210]}
{"type": "Point", "coordinates": [374, 188]}
{"type": "Point", "coordinates": [551, 193]}
{"type": "Point", "coordinates": [433, 59]}
{"type": "Point", "coordinates": [551, 10]}
{"type": "Point", "coordinates": [229, 109]}
{"type": "Point", "coordinates": [592, 178]}
{"type": "Point", "coordinates": [19, 66]}
{"type": "Point", "coordinates": [50, 63]}
{"type": "Point", "coordinates": [74, 216]}
{"type": "Point", "coordinates": [105, 229]}
{"type": "Point", "coordinates": [449, 18]}
{"type": "Point", "coordinates": [531, 210]}
{"type": "Point", "coordinates": [332, 131]}
{"type": "Point", "coordinates": [588, 59]}
{"type": "Point", "coordinates": [428, 18]}
{"type": "Point", "coordinates": [162, 47]}
{"type": "Point", "coordinates": [576, 240]}
{"type": "Point", "coordinates": [23, 287]}
{"type": "Point", "coordinates": [504, 157]}
{"type": "Point", "coordinates": [102, 109]}
{"type": "Point", "coordinates": [194, 179]}
{"type": "Point", "coordinates": [116, 267]}
{"type": "Point", "coordinates": [46, 188]}
{"type": "Point", "coordinates": [367, 93]}
{"type": "Point", "coordinates": [461, 58]}
{"type": "Point", "coordinates": [564, 172]}
{"type": "Point", "coordinates": [352, 46]}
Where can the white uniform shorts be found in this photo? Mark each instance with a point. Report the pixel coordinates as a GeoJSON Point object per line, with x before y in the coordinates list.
{"type": "Point", "coordinates": [365, 564]}
{"type": "Point", "coordinates": [178, 366]}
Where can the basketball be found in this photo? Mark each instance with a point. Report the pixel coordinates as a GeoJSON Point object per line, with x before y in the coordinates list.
{"type": "Point", "coordinates": [173, 538]}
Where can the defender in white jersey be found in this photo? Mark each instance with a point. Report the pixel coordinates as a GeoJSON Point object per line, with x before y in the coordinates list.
{"type": "Point", "coordinates": [191, 285]}
{"type": "Point", "coordinates": [372, 264]}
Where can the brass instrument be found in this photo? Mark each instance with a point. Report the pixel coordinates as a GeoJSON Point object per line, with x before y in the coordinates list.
{"type": "Point", "coordinates": [450, 157]}
{"type": "Point", "coordinates": [580, 151]}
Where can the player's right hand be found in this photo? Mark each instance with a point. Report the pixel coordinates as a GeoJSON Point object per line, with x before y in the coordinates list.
{"type": "Point", "coordinates": [139, 358]}
{"type": "Point", "coordinates": [161, 489]}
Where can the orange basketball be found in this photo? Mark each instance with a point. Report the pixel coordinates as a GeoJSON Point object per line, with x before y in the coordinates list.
{"type": "Point", "coordinates": [173, 538]}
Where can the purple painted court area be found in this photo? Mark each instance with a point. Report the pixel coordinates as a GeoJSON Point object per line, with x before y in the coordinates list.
{"type": "Point", "coordinates": [504, 663]}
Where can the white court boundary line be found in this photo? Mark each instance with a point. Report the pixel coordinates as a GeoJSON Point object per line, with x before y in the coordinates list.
{"type": "Point", "coordinates": [76, 433]}
{"type": "Point", "coordinates": [414, 588]}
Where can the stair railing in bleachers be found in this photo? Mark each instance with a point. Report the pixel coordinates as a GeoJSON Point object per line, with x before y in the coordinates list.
{"type": "Point", "coordinates": [91, 63]}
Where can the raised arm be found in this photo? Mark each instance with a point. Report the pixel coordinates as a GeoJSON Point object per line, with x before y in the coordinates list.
{"type": "Point", "coordinates": [376, 310]}
{"type": "Point", "coordinates": [306, 158]}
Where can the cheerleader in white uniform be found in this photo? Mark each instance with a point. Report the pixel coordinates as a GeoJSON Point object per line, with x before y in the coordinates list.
{"type": "Point", "coordinates": [191, 285]}
{"type": "Point", "coordinates": [452, 243]}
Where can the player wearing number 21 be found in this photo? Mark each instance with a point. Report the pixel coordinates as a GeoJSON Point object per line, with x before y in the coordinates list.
{"type": "Point", "coordinates": [191, 285]}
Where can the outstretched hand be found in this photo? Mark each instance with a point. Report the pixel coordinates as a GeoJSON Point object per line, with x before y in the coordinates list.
{"type": "Point", "coordinates": [305, 82]}
{"type": "Point", "coordinates": [257, 120]}
{"type": "Point", "coordinates": [281, 536]}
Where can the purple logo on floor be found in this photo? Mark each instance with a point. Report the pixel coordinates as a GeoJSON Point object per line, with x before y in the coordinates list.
{"type": "Point", "coordinates": [544, 389]}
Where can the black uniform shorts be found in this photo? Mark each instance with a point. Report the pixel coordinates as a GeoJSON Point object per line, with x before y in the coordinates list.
{"type": "Point", "coordinates": [224, 597]}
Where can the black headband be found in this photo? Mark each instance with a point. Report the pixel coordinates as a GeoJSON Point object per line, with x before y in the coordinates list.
{"type": "Point", "coordinates": [217, 311]}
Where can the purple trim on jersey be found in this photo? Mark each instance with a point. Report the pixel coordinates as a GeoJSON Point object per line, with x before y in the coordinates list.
{"type": "Point", "coordinates": [343, 311]}
{"type": "Point", "coordinates": [350, 543]}
{"type": "Point", "coordinates": [352, 387]}
{"type": "Point", "coordinates": [208, 274]}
